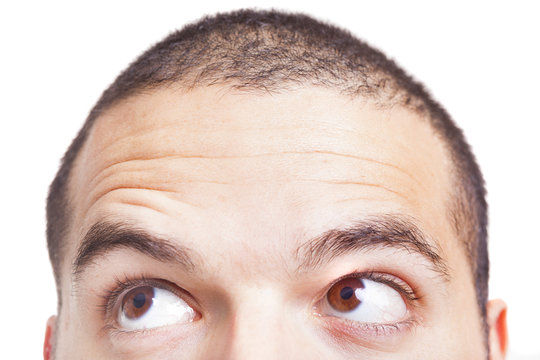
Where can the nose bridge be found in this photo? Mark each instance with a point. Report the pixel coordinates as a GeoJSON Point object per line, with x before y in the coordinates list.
{"type": "Point", "coordinates": [264, 326]}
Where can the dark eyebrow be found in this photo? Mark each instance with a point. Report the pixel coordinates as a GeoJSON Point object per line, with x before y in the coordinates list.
{"type": "Point", "coordinates": [104, 237]}
{"type": "Point", "coordinates": [371, 234]}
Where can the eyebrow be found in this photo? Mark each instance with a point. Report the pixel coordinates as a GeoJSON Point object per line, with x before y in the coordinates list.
{"type": "Point", "coordinates": [374, 233]}
{"type": "Point", "coordinates": [104, 237]}
{"type": "Point", "coordinates": [371, 234]}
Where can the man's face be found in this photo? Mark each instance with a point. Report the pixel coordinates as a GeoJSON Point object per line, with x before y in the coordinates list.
{"type": "Point", "coordinates": [233, 225]}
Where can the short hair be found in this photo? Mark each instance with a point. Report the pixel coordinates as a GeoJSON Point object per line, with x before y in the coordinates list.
{"type": "Point", "coordinates": [273, 51]}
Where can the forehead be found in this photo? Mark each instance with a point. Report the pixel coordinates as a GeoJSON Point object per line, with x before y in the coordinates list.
{"type": "Point", "coordinates": [211, 161]}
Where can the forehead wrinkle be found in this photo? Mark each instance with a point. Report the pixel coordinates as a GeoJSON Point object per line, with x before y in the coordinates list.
{"type": "Point", "coordinates": [228, 136]}
{"type": "Point", "coordinates": [133, 162]}
{"type": "Point", "coordinates": [341, 139]}
{"type": "Point", "coordinates": [167, 193]}
{"type": "Point", "coordinates": [141, 159]}
{"type": "Point", "coordinates": [359, 183]}
{"type": "Point", "coordinates": [110, 185]}
{"type": "Point", "coordinates": [144, 174]}
{"type": "Point", "coordinates": [135, 201]}
{"type": "Point", "coordinates": [186, 139]}
{"type": "Point", "coordinates": [296, 147]}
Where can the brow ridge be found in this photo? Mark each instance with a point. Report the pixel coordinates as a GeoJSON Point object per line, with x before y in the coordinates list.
{"type": "Point", "coordinates": [365, 235]}
{"type": "Point", "coordinates": [104, 237]}
{"type": "Point", "coordinates": [370, 234]}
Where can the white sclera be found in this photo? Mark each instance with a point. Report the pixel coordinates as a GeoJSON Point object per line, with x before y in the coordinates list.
{"type": "Point", "coordinates": [166, 309]}
{"type": "Point", "coordinates": [380, 303]}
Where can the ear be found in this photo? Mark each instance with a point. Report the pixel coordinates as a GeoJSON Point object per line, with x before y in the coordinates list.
{"type": "Point", "coordinates": [50, 334]}
{"type": "Point", "coordinates": [498, 334]}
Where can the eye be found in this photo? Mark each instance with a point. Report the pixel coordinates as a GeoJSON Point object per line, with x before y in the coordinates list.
{"type": "Point", "coordinates": [365, 301]}
{"type": "Point", "coordinates": [147, 307]}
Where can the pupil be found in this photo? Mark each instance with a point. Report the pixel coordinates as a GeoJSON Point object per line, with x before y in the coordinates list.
{"type": "Point", "coordinates": [139, 300]}
{"type": "Point", "coordinates": [346, 292]}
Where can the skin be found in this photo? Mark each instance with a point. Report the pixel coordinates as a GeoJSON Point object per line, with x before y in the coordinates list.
{"type": "Point", "coordinates": [243, 180]}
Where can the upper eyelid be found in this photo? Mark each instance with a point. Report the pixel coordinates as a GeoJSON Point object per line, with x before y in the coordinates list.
{"type": "Point", "coordinates": [129, 283]}
{"type": "Point", "coordinates": [395, 282]}
{"type": "Point", "coordinates": [111, 297]}
{"type": "Point", "coordinates": [410, 292]}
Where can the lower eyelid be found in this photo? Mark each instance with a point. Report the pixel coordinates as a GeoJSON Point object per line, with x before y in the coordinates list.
{"type": "Point", "coordinates": [131, 343]}
{"type": "Point", "coordinates": [373, 336]}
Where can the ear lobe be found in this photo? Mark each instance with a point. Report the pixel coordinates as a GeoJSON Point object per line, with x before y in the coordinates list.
{"type": "Point", "coordinates": [49, 338]}
{"type": "Point", "coordinates": [498, 332]}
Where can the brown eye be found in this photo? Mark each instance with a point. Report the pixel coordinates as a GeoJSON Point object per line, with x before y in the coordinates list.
{"type": "Point", "coordinates": [365, 301]}
{"type": "Point", "coordinates": [342, 295]}
{"type": "Point", "coordinates": [137, 302]}
{"type": "Point", "coordinates": [147, 307]}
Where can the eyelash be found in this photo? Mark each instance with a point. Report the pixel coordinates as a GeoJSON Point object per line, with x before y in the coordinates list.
{"type": "Point", "coordinates": [410, 293]}
{"type": "Point", "coordinates": [111, 296]}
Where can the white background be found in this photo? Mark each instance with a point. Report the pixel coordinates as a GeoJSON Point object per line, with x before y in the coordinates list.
{"type": "Point", "coordinates": [479, 59]}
